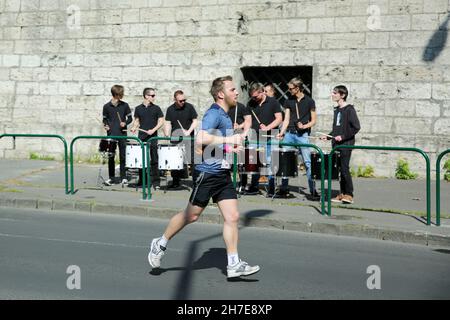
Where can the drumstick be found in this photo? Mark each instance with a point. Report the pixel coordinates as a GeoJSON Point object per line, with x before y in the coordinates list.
{"type": "Point", "coordinates": [235, 114]}
{"type": "Point", "coordinates": [120, 119]}
{"type": "Point", "coordinates": [324, 134]}
{"type": "Point", "coordinates": [259, 122]}
{"type": "Point", "coordinates": [180, 124]}
{"type": "Point", "coordinates": [267, 136]}
{"type": "Point", "coordinates": [142, 130]}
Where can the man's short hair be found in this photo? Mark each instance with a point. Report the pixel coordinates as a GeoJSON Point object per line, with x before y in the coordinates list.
{"type": "Point", "coordinates": [218, 85]}
{"type": "Point", "coordinates": [298, 82]}
{"type": "Point", "coordinates": [117, 91]}
{"type": "Point", "coordinates": [255, 86]}
{"type": "Point", "coordinates": [342, 90]}
{"type": "Point", "coordinates": [177, 93]}
{"type": "Point", "coordinates": [146, 90]}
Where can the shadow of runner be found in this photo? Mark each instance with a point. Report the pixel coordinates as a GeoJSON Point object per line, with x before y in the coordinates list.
{"type": "Point", "coordinates": [254, 214]}
{"type": "Point", "coordinates": [213, 258]}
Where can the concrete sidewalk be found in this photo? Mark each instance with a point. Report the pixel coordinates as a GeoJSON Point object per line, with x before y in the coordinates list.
{"type": "Point", "coordinates": [386, 209]}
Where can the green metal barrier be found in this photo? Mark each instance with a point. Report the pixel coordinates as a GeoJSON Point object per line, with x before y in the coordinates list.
{"type": "Point", "coordinates": [438, 186]}
{"type": "Point", "coordinates": [427, 160]}
{"type": "Point", "coordinates": [165, 139]}
{"type": "Point", "coordinates": [72, 189]}
{"type": "Point", "coordinates": [14, 135]}
{"type": "Point", "coordinates": [322, 165]}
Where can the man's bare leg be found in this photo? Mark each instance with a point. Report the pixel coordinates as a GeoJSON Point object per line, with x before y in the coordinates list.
{"type": "Point", "coordinates": [182, 219]}
{"type": "Point", "coordinates": [236, 267]}
{"type": "Point", "coordinates": [176, 224]}
{"type": "Point", "coordinates": [230, 213]}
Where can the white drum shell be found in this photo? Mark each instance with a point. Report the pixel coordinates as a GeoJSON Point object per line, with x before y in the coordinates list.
{"type": "Point", "coordinates": [170, 157]}
{"type": "Point", "coordinates": [133, 156]}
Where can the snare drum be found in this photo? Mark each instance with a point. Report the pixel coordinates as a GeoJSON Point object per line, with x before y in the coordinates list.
{"type": "Point", "coordinates": [335, 165]}
{"type": "Point", "coordinates": [133, 156]}
{"type": "Point", "coordinates": [251, 159]}
{"type": "Point", "coordinates": [171, 157]}
{"type": "Point", "coordinates": [284, 162]}
{"type": "Point", "coordinates": [107, 146]}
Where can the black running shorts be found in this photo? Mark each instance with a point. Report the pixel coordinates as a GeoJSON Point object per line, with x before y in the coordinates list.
{"type": "Point", "coordinates": [206, 185]}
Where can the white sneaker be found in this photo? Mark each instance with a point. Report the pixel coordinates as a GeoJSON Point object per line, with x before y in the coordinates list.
{"type": "Point", "coordinates": [241, 269]}
{"type": "Point", "coordinates": [155, 254]}
{"type": "Point", "coordinates": [108, 182]}
{"type": "Point", "coordinates": [124, 181]}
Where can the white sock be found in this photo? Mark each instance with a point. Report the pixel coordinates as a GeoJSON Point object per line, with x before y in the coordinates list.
{"type": "Point", "coordinates": [233, 258]}
{"type": "Point", "coordinates": [163, 241]}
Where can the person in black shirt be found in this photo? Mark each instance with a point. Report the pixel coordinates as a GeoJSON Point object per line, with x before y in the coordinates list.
{"type": "Point", "coordinates": [116, 117]}
{"type": "Point", "coordinates": [181, 121]}
{"type": "Point", "coordinates": [148, 117]}
{"type": "Point", "coordinates": [270, 91]}
{"type": "Point", "coordinates": [345, 127]}
{"type": "Point", "coordinates": [242, 121]}
{"type": "Point", "coordinates": [266, 116]}
{"type": "Point", "coordinates": [241, 118]}
{"type": "Point", "coordinates": [300, 117]}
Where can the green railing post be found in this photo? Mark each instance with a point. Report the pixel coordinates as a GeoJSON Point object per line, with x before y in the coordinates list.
{"type": "Point", "coordinates": [322, 165]}
{"type": "Point", "coordinates": [66, 184]}
{"type": "Point", "coordinates": [438, 186]}
{"type": "Point", "coordinates": [427, 160]}
{"type": "Point", "coordinates": [72, 188]}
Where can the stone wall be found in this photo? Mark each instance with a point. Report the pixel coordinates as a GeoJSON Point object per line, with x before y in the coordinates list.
{"type": "Point", "coordinates": [58, 60]}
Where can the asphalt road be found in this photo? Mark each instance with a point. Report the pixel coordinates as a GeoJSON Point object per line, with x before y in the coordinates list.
{"type": "Point", "coordinates": [37, 248]}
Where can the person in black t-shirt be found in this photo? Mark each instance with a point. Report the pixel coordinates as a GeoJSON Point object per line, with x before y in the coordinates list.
{"type": "Point", "coordinates": [148, 118]}
{"type": "Point", "coordinates": [300, 117]}
{"type": "Point", "coordinates": [242, 121]}
{"type": "Point", "coordinates": [270, 91]}
{"type": "Point", "coordinates": [241, 118]}
{"type": "Point", "coordinates": [181, 121]}
{"type": "Point", "coordinates": [266, 116]}
{"type": "Point", "coordinates": [345, 127]}
{"type": "Point", "coordinates": [116, 117]}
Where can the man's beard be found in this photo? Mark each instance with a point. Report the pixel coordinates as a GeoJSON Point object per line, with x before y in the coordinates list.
{"type": "Point", "coordinates": [230, 102]}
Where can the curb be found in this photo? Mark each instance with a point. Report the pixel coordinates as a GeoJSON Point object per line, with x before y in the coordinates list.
{"type": "Point", "coordinates": [351, 230]}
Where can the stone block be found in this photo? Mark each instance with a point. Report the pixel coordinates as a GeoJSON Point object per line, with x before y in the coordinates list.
{"type": "Point", "coordinates": [441, 91]}
{"type": "Point", "coordinates": [26, 203]}
{"type": "Point", "coordinates": [44, 204]}
{"type": "Point", "coordinates": [442, 127]}
{"type": "Point", "coordinates": [63, 205]}
{"type": "Point", "coordinates": [106, 208]}
{"type": "Point", "coordinates": [428, 108]}
{"type": "Point", "coordinates": [407, 125]}
{"type": "Point", "coordinates": [321, 25]}
{"type": "Point", "coordinates": [344, 41]}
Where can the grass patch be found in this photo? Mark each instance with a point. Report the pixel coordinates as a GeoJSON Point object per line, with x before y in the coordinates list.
{"type": "Point", "coordinates": [403, 172]}
{"type": "Point", "coordinates": [447, 170]}
{"type": "Point", "coordinates": [365, 172]}
{"type": "Point", "coordinates": [36, 156]}
{"type": "Point", "coordinates": [6, 189]}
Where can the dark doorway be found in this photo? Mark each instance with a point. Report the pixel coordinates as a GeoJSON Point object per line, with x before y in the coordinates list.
{"type": "Point", "coordinates": [279, 77]}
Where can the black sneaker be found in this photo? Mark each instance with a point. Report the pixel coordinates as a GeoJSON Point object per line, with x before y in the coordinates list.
{"type": "Point", "coordinates": [313, 197]}
{"type": "Point", "coordinates": [251, 191]}
{"type": "Point", "coordinates": [281, 194]}
{"type": "Point", "coordinates": [174, 186]}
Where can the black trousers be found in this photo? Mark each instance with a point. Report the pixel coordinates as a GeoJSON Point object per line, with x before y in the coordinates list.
{"type": "Point", "coordinates": [154, 172]}
{"type": "Point", "coordinates": [122, 143]}
{"type": "Point", "coordinates": [346, 178]}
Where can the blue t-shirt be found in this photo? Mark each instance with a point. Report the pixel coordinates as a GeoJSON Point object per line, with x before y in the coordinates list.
{"type": "Point", "coordinates": [216, 122]}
